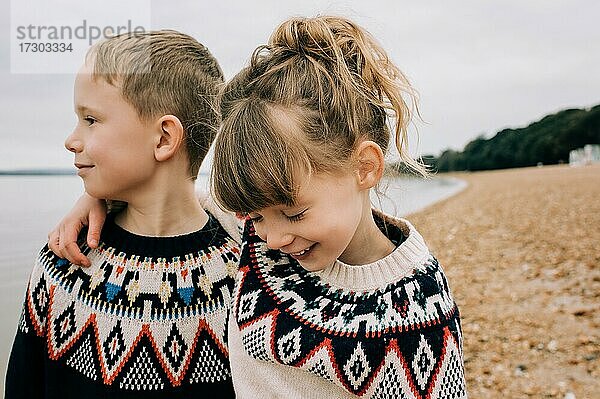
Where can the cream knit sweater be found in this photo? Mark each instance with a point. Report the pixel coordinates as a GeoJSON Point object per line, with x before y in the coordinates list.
{"type": "Point", "coordinates": [386, 329]}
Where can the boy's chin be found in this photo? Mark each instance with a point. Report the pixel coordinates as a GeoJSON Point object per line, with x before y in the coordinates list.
{"type": "Point", "coordinates": [95, 192]}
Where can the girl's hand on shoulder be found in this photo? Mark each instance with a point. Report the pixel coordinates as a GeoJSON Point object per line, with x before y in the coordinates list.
{"type": "Point", "coordinates": [62, 240]}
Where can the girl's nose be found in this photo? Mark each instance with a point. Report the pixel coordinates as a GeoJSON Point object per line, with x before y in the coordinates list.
{"type": "Point", "coordinates": [275, 237]}
{"type": "Point", "coordinates": [278, 241]}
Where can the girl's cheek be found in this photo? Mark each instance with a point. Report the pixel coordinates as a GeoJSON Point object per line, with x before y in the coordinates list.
{"type": "Point", "coordinates": [259, 231]}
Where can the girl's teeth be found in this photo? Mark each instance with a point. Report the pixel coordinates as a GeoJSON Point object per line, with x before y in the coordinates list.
{"type": "Point", "coordinates": [300, 253]}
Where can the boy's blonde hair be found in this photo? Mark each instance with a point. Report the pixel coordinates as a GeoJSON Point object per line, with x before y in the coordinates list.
{"type": "Point", "coordinates": [321, 86]}
{"type": "Point", "coordinates": [165, 73]}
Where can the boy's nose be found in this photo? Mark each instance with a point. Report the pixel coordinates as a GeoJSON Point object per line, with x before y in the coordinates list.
{"type": "Point", "coordinates": [73, 144]}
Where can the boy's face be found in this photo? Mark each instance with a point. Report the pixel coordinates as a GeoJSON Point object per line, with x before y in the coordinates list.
{"type": "Point", "coordinates": [114, 149]}
{"type": "Point", "coordinates": [323, 226]}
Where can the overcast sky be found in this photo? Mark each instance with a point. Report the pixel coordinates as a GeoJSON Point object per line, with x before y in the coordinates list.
{"type": "Point", "coordinates": [479, 66]}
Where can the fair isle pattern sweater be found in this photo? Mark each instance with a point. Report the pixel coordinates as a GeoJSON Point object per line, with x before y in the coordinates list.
{"type": "Point", "coordinates": [148, 319]}
{"type": "Point", "coordinates": [389, 329]}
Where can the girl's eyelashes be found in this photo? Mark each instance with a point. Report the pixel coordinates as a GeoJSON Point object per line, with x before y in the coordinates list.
{"type": "Point", "coordinates": [255, 217]}
{"type": "Point", "coordinates": [297, 217]}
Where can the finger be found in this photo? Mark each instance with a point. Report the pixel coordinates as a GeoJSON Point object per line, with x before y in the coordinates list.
{"type": "Point", "coordinates": [75, 256]}
{"type": "Point", "coordinates": [61, 241]}
{"type": "Point", "coordinates": [53, 242]}
{"type": "Point", "coordinates": [68, 239]}
{"type": "Point", "coordinates": [96, 221]}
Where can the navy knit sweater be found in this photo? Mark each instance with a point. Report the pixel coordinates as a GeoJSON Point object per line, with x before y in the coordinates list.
{"type": "Point", "coordinates": [148, 319]}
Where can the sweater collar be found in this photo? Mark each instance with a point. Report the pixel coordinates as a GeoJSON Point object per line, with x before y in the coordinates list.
{"type": "Point", "coordinates": [410, 253]}
{"type": "Point", "coordinates": [161, 247]}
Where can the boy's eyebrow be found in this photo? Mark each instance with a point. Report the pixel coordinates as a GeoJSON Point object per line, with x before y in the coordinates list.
{"type": "Point", "coordinates": [82, 109]}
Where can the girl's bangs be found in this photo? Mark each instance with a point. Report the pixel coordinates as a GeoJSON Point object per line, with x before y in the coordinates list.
{"type": "Point", "coordinates": [256, 166]}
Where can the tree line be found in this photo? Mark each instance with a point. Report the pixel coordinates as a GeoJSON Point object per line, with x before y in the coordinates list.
{"type": "Point", "coordinates": [547, 141]}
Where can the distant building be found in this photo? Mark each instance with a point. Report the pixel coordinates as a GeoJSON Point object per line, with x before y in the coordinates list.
{"type": "Point", "coordinates": [585, 156]}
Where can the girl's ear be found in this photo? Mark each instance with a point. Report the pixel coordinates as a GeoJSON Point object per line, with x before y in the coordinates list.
{"type": "Point", "coordinates": [370, 164]}
{"type": "Point", "coordinates": [170, 138]}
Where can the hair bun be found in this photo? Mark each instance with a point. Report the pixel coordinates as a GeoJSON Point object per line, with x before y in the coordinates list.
{"type": "Point", "coordinates": [324, 37]}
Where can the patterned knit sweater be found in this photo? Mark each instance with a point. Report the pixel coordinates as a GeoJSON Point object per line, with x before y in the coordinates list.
{"type": "Point", "coordinates": [389, 329]}
{"type": "Point", "coordinates": [148, 319]}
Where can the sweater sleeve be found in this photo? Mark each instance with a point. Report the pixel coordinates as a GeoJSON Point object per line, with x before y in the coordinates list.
{"type": "Point", "coordinates": [25, 371]}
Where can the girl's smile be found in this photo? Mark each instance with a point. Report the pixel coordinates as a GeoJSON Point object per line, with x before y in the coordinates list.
{"type": "Point", "coordinates": [302, 255]}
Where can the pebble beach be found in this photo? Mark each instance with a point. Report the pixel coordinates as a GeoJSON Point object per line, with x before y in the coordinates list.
{"type": "Point", "coordinates": [521, 249]}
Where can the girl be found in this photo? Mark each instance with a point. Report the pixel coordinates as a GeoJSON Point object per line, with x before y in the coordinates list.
{"type": "Point", "coordinates": [332, 297]}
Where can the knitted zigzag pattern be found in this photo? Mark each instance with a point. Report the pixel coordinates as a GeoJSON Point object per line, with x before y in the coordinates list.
{"type": "Point", "coordinates": [403, 340]}
{"type": "Point", "coordinates": [136, 324]}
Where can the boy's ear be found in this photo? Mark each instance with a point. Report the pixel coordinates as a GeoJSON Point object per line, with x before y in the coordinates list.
{"type": "Point", "coordinates": [171, 137]}
{"type": "Point", "coordinates": [370, 164]}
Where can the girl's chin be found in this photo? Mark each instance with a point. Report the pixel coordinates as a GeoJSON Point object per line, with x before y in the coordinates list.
{"type": "Point", "coordinates": [314, 266]}
{"type": "Point", "coordinates": [312, 260]}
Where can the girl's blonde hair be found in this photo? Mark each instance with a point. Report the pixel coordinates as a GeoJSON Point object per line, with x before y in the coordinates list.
{"type": "Point", "coordinates": [321, 86]}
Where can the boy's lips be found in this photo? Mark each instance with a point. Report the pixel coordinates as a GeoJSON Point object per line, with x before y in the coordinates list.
{"type": "Point", "coordinates": [83, 167]}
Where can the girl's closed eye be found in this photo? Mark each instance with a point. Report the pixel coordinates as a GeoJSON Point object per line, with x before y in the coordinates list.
{"type": "Point", "coordinates": [297, 217]}
{"type": "Point", "coordinates": [255, 217]}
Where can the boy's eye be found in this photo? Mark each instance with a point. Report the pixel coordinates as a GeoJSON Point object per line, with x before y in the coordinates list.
{"type": "Point", "coordinates": [90, 120]}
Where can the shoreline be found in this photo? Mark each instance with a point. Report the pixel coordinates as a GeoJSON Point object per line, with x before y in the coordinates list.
{"type": "Point", "coordinates": [400, 196]}
{"type": "Point", "coordinates": [519, 247]}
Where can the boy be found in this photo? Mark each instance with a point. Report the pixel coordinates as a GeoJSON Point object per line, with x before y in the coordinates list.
{"type": "Point", "coordinates": [147, 318]}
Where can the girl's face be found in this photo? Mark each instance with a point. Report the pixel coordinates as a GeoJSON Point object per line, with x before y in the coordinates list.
{"type": "Point", "coordinates": [323, 226]}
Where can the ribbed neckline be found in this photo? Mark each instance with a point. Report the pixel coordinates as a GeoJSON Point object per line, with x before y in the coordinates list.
{"type": "Point", "coordinates": [400, 263]}
{"type": "Point", "coordinates": [161, 247]}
